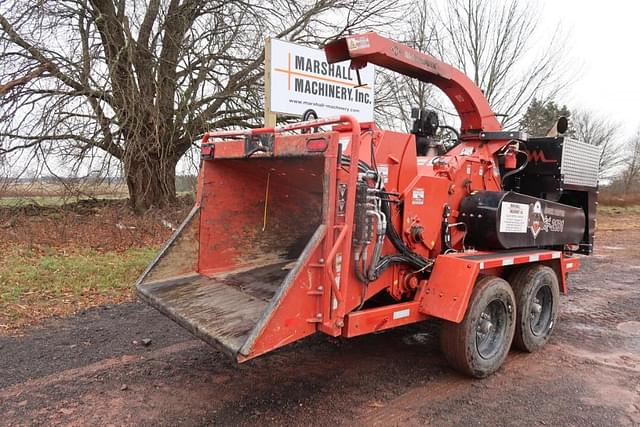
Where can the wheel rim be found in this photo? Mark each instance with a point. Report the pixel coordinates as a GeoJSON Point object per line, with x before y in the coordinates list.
{"type": "Point", "coordinates": [541, 309]}
{"type": "Point", "coordinates": [491, 329]}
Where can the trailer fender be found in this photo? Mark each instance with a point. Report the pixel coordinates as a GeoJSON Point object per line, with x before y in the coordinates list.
{"type": "Point", "coordinates": [447, 291]}
{"type": "Point", "coordinates": [446, 294]}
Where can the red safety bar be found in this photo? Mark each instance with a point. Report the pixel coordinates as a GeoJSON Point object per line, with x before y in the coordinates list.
{"type": "Point", "coordinates": [355, 128]}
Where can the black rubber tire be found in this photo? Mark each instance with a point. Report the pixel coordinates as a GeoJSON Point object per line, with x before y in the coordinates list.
{"type": "Point", "coordinates": [461, 342]}
{"type": "Point", "coordinates": [528, 283]}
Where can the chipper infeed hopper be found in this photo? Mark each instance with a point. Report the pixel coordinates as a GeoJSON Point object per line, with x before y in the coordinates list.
{"type": "Point", "coordinates": [237, 273]}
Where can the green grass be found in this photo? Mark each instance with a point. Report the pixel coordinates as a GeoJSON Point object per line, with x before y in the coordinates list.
{"type": "Point", "coordinates": [56, 201]}
{"type": "Point", "coordinates": [52, 200]}
{"type": "Point", "coordinates": [36, 285]}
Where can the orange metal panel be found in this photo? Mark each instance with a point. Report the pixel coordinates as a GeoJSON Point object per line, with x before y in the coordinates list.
{"type": "Point", "coordinates": [424, 199]}
{"type": "Point", "coordinates": [293, 312]}
{"type": "Point", "coordinates": [229, 149]}
{"type": "Point", "coordinates": [446, 293]}
{"type": "Point", "coordinates": [380, 318]}
{"type": "Point", "coordinates": [567, 265]}
{"type": "Point", "coordinates": [570, 264]}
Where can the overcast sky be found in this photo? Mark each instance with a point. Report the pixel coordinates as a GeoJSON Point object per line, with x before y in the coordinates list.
{"type": "Point", "coordinates": [604, 42]}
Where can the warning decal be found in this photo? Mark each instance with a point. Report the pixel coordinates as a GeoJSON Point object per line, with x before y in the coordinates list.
{"type": "Point", "coordinates": [514, 217]}
{"type": "Point", "coordinates": [383, 170]}
{"type": "Point", "coordinates": [418, 196]}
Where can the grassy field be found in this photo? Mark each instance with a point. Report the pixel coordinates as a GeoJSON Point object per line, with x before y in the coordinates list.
{"type": "Point", "coordinates": [54, 193]}
{"type": "Point", "coordinates": [52, 200]}
{"type": "Point", "coordinates": [61, 200]}
{"type": "Point", "coordinates": [614, 210]}
{"type": "Point", "coordinates": [37, 285]}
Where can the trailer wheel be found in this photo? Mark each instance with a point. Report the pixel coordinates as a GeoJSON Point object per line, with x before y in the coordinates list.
{"type": "Point", "coordinates": [537, 297]}
{"type": "Point", "coordinates": [480, 343]}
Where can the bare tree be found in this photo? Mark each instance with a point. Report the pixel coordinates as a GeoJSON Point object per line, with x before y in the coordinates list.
{"type": "Point", "coordinates": [397, 94]}
{"type": "Point", "coordinates": [498, 44]}
{"type": "Point", "coordinates": [631, 171]}
{"type": "Point", "coordinates": [20, 81]}
{"type": "Point", "coordinates": [594, 129]}
{"type": "Point", "coordinates": [140, 80]}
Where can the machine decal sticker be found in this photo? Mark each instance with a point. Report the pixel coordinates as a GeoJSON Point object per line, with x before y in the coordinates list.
{"type": "Point", "coordinates": [514, 217]}
{"type": "Point", "coordinates": [342, 199]}
{"type": "Point", "coordinates": [548, 210]}
{"type": "Point", "coordinates": [356, 43]}
{"type": "Point", "coordinates": [536, 220]}
{"type": "Point", "coordinates": [338, 269]}
{"type": "Point", "coordinates": [466, 151]}
{"type": "Point", "coordinates": [383, 170]}
{"type": "Point", "coordinates": [541, 222]}
{"type": "Point", "coordinates": [401, 314]}
{"type": "Point", "coordinates": [538, 156]}
{"type": "Point", "coordinates": [417, 197]}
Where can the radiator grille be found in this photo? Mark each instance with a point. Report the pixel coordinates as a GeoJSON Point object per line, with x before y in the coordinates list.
{"type": "Point", "coordinates": [580, 163]}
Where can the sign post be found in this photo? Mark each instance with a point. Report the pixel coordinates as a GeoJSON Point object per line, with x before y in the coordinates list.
{"type": "Point", "coordinates": [299, 78]}
{"type": "Point", "coordinates": [269, 116]}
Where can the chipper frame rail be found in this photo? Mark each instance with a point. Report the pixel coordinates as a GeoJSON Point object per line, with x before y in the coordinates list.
{"type": "Point", "coordinates": [351, 230]}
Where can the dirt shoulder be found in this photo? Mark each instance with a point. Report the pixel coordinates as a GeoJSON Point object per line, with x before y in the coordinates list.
{"type": "Point", "coordinates": [88, 370]}
{"type": "Point", "coordinates": [58, 260]}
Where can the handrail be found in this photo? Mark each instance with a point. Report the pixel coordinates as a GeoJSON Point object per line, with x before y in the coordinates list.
{"type": "Point", "coordinates": [284, 128]}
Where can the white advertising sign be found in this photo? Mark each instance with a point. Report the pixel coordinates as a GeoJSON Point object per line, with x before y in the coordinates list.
{"type": "Point", "coordinates": [302, 79]}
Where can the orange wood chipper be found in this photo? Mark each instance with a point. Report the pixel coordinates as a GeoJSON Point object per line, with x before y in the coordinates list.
{"type": "Point", "coordinates": [340, 227]}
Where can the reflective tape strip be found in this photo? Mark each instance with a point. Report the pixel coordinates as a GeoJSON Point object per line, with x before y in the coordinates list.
{"type": "Point", "coordinates": [401, 314]}
{"type": "Point", "coordinates": [494, 263]}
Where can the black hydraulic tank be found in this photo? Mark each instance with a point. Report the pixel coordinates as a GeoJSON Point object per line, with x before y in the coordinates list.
{"type": "Point", "coordinates": [508, 220]}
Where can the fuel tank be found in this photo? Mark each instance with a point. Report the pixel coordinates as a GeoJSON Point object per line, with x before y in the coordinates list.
{"type": "Point", "coordinates": [507, 220]}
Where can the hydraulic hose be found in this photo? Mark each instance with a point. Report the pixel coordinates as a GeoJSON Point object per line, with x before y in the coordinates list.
{"type": "Point", "coordinates": [405, 255]}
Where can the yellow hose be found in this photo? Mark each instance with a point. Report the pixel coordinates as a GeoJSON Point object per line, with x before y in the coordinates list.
{"type": "Point", "coordinates": [266, 197]}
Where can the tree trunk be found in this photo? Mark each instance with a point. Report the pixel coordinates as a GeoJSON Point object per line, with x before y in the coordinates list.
{"type": "Point", "coordinates": [151, 182]}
